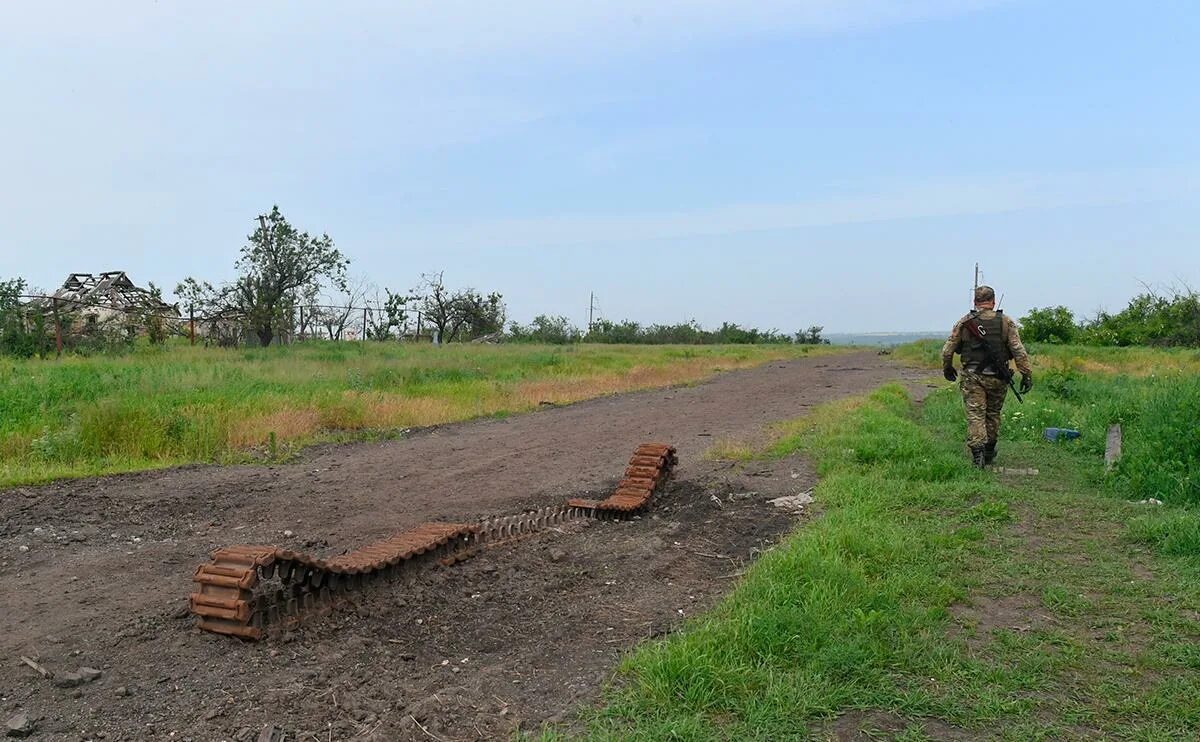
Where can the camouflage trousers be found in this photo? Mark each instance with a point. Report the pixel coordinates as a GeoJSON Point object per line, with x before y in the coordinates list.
{"type": "Point", "coordinates": [983, 396]}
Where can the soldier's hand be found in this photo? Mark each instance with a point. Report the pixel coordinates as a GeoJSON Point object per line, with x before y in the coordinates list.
{"type": "Point", "coordinates": [1026, 383]}
{"type": "Point", "coordinates": [949, 372]}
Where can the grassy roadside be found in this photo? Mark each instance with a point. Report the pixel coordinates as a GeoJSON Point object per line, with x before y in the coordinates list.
{"type": "Point", "coordinates": [161, 407]}
{"type": "Point", "coordinates": [931, 600]}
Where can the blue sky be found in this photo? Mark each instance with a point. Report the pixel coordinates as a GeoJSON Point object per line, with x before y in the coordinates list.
{"type": "Point", "coordinates": [777, 164]}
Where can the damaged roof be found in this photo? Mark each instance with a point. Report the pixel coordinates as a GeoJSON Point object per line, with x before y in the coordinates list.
{"type": "Point", "coordinates": [111, 289]}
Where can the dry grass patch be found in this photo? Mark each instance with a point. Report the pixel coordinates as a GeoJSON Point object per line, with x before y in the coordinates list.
{"type": "Point", "coordinates": [396, 411]}
{"type": "Point", "coordinates": [180, 404]}
{"type": "Point", "coordinates": [732, 449]}
{"type": "Point", "coordinates": [287, 424]}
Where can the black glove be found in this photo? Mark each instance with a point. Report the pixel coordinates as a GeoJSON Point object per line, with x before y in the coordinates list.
{"type": "Point", "coordinates": [949, 372]}
{"type": "Point", "coordinates": [1026, 383]}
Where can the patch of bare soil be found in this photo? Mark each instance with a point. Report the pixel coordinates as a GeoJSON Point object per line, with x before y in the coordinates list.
{"type": "Point", "coordinates": [977, 621]}
{"type": "Point", "coordinates": [857, 726]}
{"type": "Point", "coordinates": [95, 573]}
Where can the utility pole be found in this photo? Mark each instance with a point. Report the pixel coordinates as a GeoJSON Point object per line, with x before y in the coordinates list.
{"type": "Point", "coordinates": [976, 286]}
{"type": "Point", "coordinates": [591, 310]}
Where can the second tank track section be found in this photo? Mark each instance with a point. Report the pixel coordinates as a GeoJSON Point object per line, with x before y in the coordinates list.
{"type": "Point", "coordinates": [249, 590]}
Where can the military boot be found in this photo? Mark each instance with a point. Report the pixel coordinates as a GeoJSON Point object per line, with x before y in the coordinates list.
{"type": "Point", "coordinates": [977, 456]}
{"type": "Point", "coordinates": [989, 452]}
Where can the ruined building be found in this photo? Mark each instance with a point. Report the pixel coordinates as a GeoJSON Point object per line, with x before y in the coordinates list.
{"type": "Point", "coordinates": [86, 301]}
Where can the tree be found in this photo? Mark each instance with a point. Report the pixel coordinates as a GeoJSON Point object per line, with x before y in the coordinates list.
{"type": "Point", "coordinates": [225, 324]}
{"type": "Point", "coordinates": [1149, 319]}
{"type": "Point", "coordinates": [556, 330]}
{"type": "Point", "coordinates": [477, 315]}
{"type": "Point", "coordinates": [198, 296]}
{"type": "Point", "coordinates": [459, 315]}
{"type": "Point", "coordinates": [607, 331]}
{"type": "Point", "coordinates": [157, 328]}
{"type": "Point", "coordinates": [437, 304]}
{"type": "Point", "coordinates": [390, 314]}
{"type": "Point", "coordinates": [277, 265]}
{"type": "Point", "coordinates": [10, 300]}
{"type": "Point", "coordinates": [1049, 325]}
{"type": "Point", "coordinates": [339, 310]}
{"type": "Point", "coordinates": [811, 336]}
{"type": "Point", "coordinates": [308, 302]}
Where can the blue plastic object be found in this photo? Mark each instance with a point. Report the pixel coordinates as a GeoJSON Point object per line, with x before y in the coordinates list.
{"type": "Point", "coordinates": [1054, 434]}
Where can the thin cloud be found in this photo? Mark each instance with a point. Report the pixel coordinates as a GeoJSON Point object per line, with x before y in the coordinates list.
{"type": "Point", "coordinates": [458, 28]}
{"type": "Point", "coordinates": [945, 197]}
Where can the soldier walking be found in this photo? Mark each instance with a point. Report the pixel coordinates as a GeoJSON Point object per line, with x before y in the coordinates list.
{"type": "Point", "coordinates": [986, 340]}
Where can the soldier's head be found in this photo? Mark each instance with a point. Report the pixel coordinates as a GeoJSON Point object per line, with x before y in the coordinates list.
{"type": "Point", "coordinates": [985, 297]}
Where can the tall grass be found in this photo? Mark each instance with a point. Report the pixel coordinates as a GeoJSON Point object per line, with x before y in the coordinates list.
{"type": "Point", "coordinates": [824, 621]}
{"type": "Point", "coordinates": [861, 609]}
{"type": "Point", "coordinates": [1153, 393]}
{"type": "Point", "coordinates": [179, 404]}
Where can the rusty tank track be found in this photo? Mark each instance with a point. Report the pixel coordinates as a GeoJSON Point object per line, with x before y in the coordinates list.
{"type": "Point", "coordinates": [248, 590]}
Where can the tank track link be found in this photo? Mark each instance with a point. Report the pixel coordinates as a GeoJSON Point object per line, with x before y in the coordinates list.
{"type": "Point", "coordinates": [248, 590]}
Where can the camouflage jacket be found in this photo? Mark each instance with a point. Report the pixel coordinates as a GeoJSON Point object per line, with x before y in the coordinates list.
{"type": "Point", "coordinates": [1019, 355]}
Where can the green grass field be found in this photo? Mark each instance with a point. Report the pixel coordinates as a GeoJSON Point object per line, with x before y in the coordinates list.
{"type": "Point", "coordinates": [161, 407]}
{"type": "Point", "coordinates": [930, 599]}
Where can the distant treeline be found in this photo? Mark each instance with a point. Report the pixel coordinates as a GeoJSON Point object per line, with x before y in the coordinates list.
{"type": "Point", "coordinates": [1149, 319]}
{"type": "Point", "coordinates": [558, 330]}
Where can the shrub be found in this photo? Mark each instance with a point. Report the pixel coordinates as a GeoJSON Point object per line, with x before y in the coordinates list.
{"type": "Point", "coordinates": [1149, 319]}
{"type": "Point", "coordinates": [1049, 325]}
{"type": "Point", "coordinates": [545, 329]}
{"type": "Point", "coordinates": [22, 333]}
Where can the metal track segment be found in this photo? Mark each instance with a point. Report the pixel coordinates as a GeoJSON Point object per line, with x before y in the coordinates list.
{"type": "Point", "coordinates": [248, 590]}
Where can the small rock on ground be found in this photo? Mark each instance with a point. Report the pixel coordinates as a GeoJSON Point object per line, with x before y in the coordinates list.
{"type": "Point", "coordinates": [68, 680]}
{"type": "Point", "coordinates": [19, 725]}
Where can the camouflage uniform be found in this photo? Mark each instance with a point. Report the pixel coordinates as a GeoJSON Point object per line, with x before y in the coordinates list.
{"type": "Point", "coordinates": [984, 390]}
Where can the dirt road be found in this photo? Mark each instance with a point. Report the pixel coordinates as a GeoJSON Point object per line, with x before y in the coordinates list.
{"type": "Point", "coordinates": [95, 572]}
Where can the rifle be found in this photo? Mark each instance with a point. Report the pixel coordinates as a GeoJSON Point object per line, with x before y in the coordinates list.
{"type": "Point", "coordinates": [1002, 369]}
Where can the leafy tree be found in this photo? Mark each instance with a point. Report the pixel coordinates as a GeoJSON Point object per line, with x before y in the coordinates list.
{"type": "Point", "coordinates": [459, 315]}
{"type": "Point", "coordinates": [811, 336]}
{"type": "Point", "coordinates": [477, 315]}
{"type": "Point", "coordinates": [1049, 325]}
{"type": "Point", "coordinates": [198, 296]}
{"type": "Point", "coordinates": [225, 324]}
{"type": "Point", "coordinates": [732, 333]}
{"type": "Point", "coordinates": [607, 331]}
{"type": "Point", "coordinates": [278, 265]}
{"type": "Point", "coordinates": [684, 333]}
{"type": "Point", "coordinates": [437, 303]}
{"type": "Point", "coordinates": [10, 299]}
{"type": "Point", "coordinates": [308, 304]}
{"type": "Point", "coordinates": [22, 333]}
{"type": "Point", "coordinates": [1149, 319]}
{"type": "Point", "coordinates": [157, 327]}
{"type": "Point", "coordinates": [391, 315]}
{"type": "Point", "coordinates": [556, 330]}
